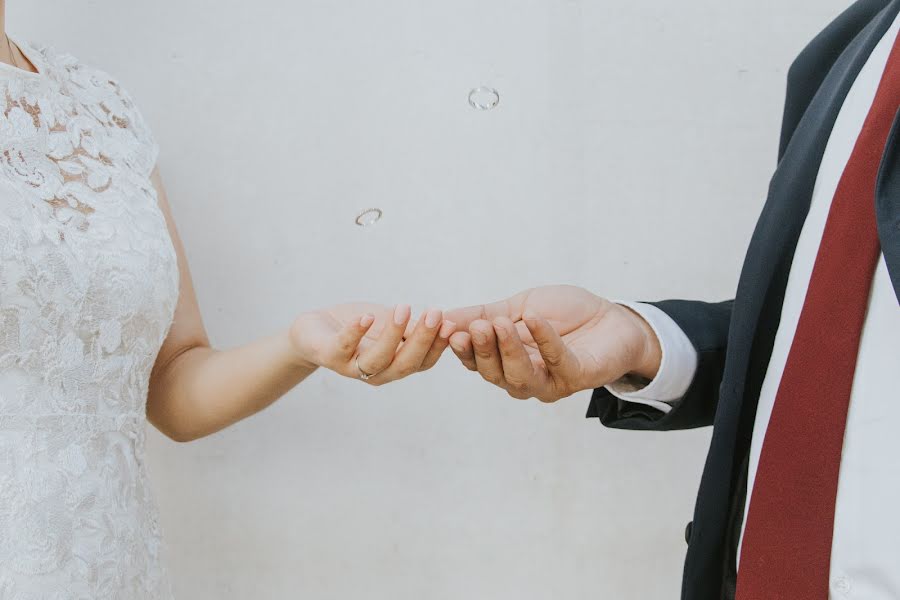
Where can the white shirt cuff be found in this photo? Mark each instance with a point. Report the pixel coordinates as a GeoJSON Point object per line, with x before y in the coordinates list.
{"type": "Point", "coordinates": [676, 369]}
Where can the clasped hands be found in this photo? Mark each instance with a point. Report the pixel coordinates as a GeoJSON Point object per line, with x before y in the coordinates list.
{"type": "Point", "coordinates": [545, 343]}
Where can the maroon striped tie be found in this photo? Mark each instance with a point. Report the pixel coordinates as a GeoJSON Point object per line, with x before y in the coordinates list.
{"type": "Point", "coordinates": [786, 550]}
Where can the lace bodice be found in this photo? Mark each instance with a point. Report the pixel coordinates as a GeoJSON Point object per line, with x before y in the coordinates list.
{"type": "Point", "coordinates": [88, 285]}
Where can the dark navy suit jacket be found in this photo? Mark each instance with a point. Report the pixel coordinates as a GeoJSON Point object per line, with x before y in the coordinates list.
{"type": "Point", "coordinates": [734, 339]}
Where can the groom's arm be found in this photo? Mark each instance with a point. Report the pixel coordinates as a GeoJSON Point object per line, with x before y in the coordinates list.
{"type": "Point", "coordinates": [705, 327]}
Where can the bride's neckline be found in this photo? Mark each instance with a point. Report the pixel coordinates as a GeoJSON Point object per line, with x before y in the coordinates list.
{"type": "Point", "coordinates": [26, 52]}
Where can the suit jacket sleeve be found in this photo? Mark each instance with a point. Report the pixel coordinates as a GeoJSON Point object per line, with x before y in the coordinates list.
{"type": "Point", "coordinates": [706, 325]}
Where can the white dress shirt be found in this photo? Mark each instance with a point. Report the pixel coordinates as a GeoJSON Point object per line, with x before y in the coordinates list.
{"type": "Point", "coordinates": [865, 557]}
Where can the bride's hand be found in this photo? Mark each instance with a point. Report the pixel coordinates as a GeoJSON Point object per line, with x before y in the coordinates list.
{"type": "Point", "coordinates": [379, 341]}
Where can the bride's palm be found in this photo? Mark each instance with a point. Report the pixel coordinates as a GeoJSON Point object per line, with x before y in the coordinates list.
{"type": "Point", "coordinates": [323, 325]}
{"type": "Point", "coordinates": [362, 338]}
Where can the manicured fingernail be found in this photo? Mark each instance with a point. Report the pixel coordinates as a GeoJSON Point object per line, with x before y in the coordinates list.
{"type": "Point", "coordinates": [447, 329]}
{"type": "Point", "coordinates": [401, 314]}
{"type": "Point", "coordinates": [501, 332]}
{"type": "Point", "coordinates": [366, 320]}
{"type": "Point", "coordinates": [432, 318]}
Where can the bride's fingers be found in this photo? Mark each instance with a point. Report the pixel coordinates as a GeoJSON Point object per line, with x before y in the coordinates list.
{"type": "Point", "coordinates": [410, 327]}
{"type": "Point", "coordinates": [412, 353]}
{"type": "Point", "coordinates": [350, 336]}
{"type": "Point", "coordinates": [440, 344]}
{"type": "Point", "coordinates": [379, 355]}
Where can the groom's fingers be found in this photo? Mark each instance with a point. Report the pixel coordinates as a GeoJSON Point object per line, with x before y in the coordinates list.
{"type": "Point", "coordinates": [380, 354]}
{"type": "Point", "coordinates": [518, 370]}
{"type": "Point", "coordinates": [555, 354]}
{"type": "Point", "coordinates": [461, 344]}
{"type": "Point", "coordinates": [487, 354]}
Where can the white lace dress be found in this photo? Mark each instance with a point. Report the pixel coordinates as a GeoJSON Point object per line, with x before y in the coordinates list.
{"type": "Point", "coordinates": [88, 286]}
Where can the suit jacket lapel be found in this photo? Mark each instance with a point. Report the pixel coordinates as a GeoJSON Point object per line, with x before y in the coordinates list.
{"type": "Point", "coordinates": [887, 204]}
{"type": "Point", "coordinates": [764, 276]}
{"type": "Point", "coordinates": [766, 268]}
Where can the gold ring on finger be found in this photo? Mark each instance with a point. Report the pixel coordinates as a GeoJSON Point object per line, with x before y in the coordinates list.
{"type": "Point", "coordinates": [362, 374]}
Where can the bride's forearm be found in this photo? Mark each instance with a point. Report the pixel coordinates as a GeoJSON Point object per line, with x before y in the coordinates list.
{"type": "Point", "coordinates": [196, 390]}
{"type": "Point", "coordinates": [202, 390]}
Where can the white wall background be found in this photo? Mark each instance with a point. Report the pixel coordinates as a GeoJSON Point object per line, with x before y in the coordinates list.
{"type": "Point", "coordinates": [630, 154]}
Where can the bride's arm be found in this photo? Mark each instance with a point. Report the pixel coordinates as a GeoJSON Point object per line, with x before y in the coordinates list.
{"type": "Point", "coordinates": [196, 390]}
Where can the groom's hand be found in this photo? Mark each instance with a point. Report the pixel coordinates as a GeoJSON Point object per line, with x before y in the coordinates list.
{"type": "Point", "coordinates": [553, 341]}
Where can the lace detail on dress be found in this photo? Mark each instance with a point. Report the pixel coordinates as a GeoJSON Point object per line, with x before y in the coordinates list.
{"type": "Point", "coordinates": [88, 286]}
{"type": "Point", "coordinates": [64, 144]}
